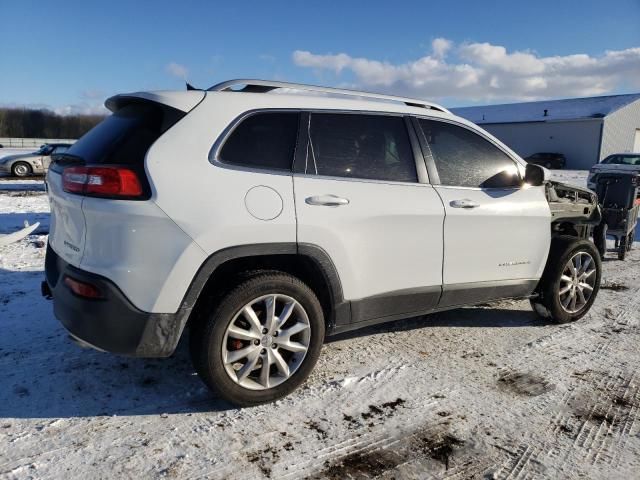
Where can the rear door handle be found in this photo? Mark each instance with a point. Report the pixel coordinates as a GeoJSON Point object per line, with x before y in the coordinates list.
{"type": "Point", "coordinates": [327, 200]}
{"type": "Point", "coordinates": [464, 203]}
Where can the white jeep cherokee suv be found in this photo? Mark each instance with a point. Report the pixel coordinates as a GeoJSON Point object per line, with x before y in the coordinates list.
{"type": "Point", "coordinates": [266, 221]}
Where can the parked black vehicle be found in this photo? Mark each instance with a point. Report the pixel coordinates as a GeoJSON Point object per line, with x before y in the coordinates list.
{"type": "Point", "coordinates": [547, 160]}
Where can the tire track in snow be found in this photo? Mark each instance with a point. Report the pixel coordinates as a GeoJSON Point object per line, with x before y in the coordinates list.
{"type": "Point", "coordinates": [594, 441]}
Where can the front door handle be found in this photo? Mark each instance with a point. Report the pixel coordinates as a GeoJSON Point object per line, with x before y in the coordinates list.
{"type": "Point", "coordinates": [327, 200]}
{"type": "Point", "coordinates": [464, 203]}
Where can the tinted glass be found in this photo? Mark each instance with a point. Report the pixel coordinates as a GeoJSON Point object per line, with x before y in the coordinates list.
{"type": "Point", "coordinates": [45, 150]}
{"type": "Point", "coordinates": [463, 158]}
{"type": "Point", "coordinates": [622, 160]}
{"type": "Point", "coordinates": [264, 140]}
{"type": "Point", "coordinates": [361, 146]}
{"type": "Point", "coordinates": [125, 136]}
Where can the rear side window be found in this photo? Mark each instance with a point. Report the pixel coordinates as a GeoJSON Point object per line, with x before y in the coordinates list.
{"type": "Point", "coordinates": [263, 140]}
{"type": "Point", "coordinates": [124, 137]}
{"type": "Point", "coordinates": [360, 146]}
{"type": "Point", "coordinates": [465, 159]}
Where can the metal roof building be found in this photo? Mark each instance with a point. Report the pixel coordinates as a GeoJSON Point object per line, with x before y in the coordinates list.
{"type": "Point", "coordinates": [585, 130]}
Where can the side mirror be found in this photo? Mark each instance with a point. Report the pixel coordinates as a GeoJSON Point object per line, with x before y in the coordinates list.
{"type": "Point", "coordinates": [535, 175]}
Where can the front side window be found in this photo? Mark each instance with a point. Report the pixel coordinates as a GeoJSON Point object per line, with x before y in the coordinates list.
{"type": "Point", "coordinates": [465, 159]}
{"type": "Point", "coordinates": [263, 140]}
{"type": "Point", "coordinates": [360, 146]}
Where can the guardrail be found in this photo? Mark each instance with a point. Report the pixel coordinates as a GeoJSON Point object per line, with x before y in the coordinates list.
{"type": "Point", "coordinates": [8, 142]}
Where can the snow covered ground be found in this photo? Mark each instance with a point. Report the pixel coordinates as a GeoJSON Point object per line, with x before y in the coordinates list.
{"type": "Point", "coordinates": [484, 392]}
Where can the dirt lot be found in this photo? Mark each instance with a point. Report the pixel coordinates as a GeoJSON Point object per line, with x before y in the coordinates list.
{"type": "Point", "coordinates": [484, 392]}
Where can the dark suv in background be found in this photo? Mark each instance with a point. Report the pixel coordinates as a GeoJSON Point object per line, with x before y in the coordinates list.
{"type": "Point", "coordinates": [547, 160]}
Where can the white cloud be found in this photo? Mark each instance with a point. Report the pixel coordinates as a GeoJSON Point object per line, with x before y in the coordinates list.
{"type": "Point", "coordinates": [440, 47]}
{"type": "Point", "coordinates": [177, 70]}
{"type": "Point", "coordinates": [92, 94]}
{"type": "Point", "coordinates": [486, 72]}
{"type": "Point", "coordinates": [83, 108]}
{"type": "Point", "coordinates": [265, 57]}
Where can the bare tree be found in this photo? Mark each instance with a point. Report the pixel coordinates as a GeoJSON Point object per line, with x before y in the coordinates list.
{"type": "Point", "coordinates": [30, 123]}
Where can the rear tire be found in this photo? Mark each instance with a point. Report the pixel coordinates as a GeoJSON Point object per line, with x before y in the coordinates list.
{"type": "Point", "coordinates": [243, 350]}
{"type": "Point", "coordinates": [570, 282]}
{"type": "Point", "coordinates": [21, 169]}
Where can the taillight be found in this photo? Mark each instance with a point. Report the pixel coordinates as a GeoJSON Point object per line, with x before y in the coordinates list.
{"type": "Point", "coordinates": [82, 289]}
{"type": "Point", "coordinates": [110, 182]}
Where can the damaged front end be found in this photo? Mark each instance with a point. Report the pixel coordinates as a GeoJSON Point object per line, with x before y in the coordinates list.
{"type": "Point", "coordinates": [574, 210]}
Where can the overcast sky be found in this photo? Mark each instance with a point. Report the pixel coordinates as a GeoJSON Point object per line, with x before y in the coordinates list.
{"type": "Point", "coordinates": [69, 56]}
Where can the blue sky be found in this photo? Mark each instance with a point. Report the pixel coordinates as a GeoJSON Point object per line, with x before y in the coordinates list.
{"type": "Point", "coordinates": [70, 55]}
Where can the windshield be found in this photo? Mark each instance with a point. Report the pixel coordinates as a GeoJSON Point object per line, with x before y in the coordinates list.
{"type": "Point", "coordinates": [622, 160]}
{"type": "Point", "coordinates": [44, 150]}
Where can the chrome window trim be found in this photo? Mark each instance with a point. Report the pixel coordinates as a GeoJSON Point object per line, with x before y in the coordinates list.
{"type": "Point", "coordinates": [519, 165]}
{"type": "Point", "coordinates": [491, 189]}
{"type": "Point", "coordinates": [419, 178]}
{"type": "Point", "coordinates": [214, 151]}
{"type": "Point", "coordinates": [361, 180]}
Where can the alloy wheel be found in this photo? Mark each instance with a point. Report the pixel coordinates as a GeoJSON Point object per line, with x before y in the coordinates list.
{"type": "Point", "coordinates": [577, 282]}
{"type": "Point", "coordinates": [266, 342]}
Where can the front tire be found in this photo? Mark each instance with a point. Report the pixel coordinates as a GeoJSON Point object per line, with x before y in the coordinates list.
{"type": "Point", "coordinates": [260, 341]}
{"type": "Point", "coordinates": [570, 282]}
{"type": "Point", "coordinates": [21, 169]}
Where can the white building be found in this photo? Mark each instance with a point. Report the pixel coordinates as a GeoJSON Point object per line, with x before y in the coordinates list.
{"type": "Point", "coordinates": [585, 130]}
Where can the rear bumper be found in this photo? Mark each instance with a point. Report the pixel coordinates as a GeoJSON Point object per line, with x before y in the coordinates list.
{"type": "Point", "coordinates": [112, 323]}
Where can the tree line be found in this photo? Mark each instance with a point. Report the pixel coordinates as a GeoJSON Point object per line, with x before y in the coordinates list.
{"type": "Point", "coordinates": [41, 123]}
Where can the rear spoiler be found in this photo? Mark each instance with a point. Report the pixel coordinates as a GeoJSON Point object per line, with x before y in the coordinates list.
{"type": "Point", "coordinates": [184, 101]}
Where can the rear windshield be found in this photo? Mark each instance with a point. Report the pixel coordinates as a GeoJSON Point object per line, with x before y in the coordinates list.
{"type": "Point", "coordinates": [124, 137]}
{"type": "Point", "coordinates": [623, 160]}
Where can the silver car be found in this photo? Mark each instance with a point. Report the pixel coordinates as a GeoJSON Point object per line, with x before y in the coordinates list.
{"type": "Point", "coordinates": [618, 162]}
{"type": "Point", "coordinates": [34, 163]}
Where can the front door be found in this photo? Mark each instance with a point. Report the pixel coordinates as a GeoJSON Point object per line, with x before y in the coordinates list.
{"type": "Point", "coordinates": [496, 231]}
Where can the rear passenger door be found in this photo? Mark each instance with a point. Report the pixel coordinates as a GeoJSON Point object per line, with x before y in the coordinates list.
{"type": "Point", "coordinates": [496, 231]}
{"type": "Point", "coordinates": [362, 195]}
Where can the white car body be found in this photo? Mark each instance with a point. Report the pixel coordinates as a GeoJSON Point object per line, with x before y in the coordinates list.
{"type": "Point", "coordinates": [387, 240]}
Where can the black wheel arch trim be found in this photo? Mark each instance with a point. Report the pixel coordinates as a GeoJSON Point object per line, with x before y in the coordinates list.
{"type": "Point", "coordinates": [310, 251]}
{"type": "Point", "coordinates": [313, 252]}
